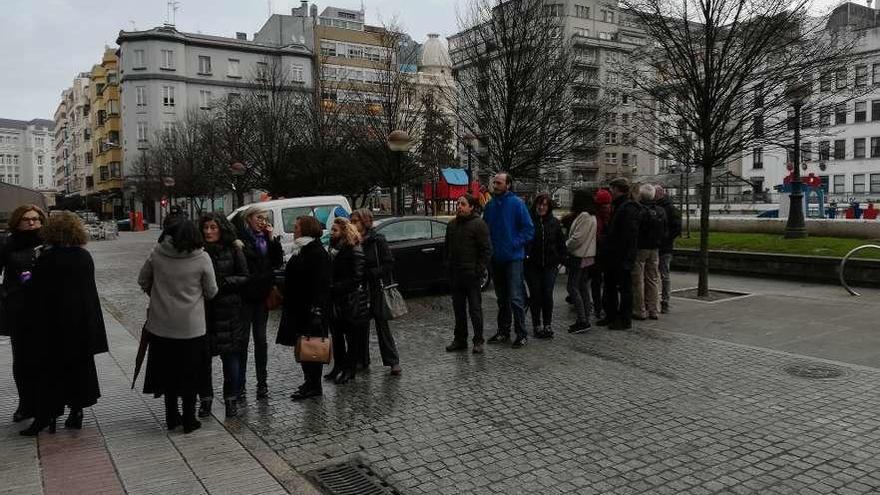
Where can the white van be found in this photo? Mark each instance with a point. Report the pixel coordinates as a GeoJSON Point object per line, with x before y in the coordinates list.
{"type": "Point", "coordinates": [284, 212]}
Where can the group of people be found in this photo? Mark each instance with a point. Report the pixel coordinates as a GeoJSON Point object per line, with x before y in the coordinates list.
{"type": "Point", "coordinates": [615, 244]}
{"type": "Point", "coordinates": [211, 285]}
{"type": "Point", "coordinates": [50, 309]}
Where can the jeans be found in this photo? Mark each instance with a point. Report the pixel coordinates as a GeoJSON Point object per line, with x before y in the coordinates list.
{"type": "Point", "coordinates": [254, 315]}
{"type": "Point", "coordinates": [541, 281]}
{"type": "Point", "coordinates": [618, 293]}
{"type": "Point", "coordinates": [597, 279]}
{"type": "Point", "coordinates": [579, 289]}
{"type": "Point", "coordinates": [665, 264]}
{"type": "Point", "coordinates": [646, 283]}
{"type": "Point", "coordinates": [510, 291]}
{"type": "Point", "coordinates": [467, 300]}
{"type": "Point", "coordinates": [231, 373]}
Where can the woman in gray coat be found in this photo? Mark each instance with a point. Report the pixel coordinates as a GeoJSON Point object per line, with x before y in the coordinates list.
{"type": "Point", "coordinates": [179, 277]}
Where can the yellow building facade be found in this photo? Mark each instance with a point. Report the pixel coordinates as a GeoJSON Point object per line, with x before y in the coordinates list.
{"type": "Point", "coordinates": [106, 133]}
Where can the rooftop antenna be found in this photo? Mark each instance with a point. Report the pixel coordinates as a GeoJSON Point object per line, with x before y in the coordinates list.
{"type": "Point", "coordinates": [363, 11]}
{"type": "Point", "coordinates": [173, 6]}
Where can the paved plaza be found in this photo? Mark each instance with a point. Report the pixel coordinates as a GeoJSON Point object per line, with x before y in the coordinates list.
{"type": "Point", "coordinates": [706, 400]}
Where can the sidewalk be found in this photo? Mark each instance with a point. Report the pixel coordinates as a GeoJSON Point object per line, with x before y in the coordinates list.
{"type": "Point", "coordinates": [124, 448]}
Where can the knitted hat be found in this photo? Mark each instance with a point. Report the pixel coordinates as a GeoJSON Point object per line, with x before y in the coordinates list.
{"type": "Point", "coordinates": [602, 197]}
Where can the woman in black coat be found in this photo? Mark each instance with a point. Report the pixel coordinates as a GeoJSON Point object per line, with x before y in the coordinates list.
{"type": "Point", "coordinates": [64, 341]}
{"type": "Point", "coordinates": [545, 252]}
{"type": "Point", "coordinates": [379, 271]}
{"type": "Point", "coordinates": [349, 298]}
{"type": "Point", "coordinates": [307, 279]}
{"type": "Point", "coordinates": [226, 337]}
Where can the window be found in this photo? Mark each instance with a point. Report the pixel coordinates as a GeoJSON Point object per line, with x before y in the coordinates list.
{"type": "Point", "coordinates": [104, 173]}
{"type": "Point", "coordinates": [407, 230]}
{"type": "Point", "coordinates": [142, 133]}
{"type": "Point", "coordinates": [289, 216]}
{"type": "Point", "coordinates": [823, 182]}
{"type": "Point", "coordinates": [139, 60]}
{"type": "Point", "coordinates": [824, 150]}
{"type": "Point", "coordinates": [840, 114]}
{"type": "Point", "coordinates": [605, 36]}
{"type": "Point", "coordinates": [859, 148]}
{"type": "Point", "coordinates": [141, 96]}
{"type": "Point", "coordinates": [554, 9]}
{"type": "Point", "coordinates": [297, 73]}
{"type": "Point", "coordinates": [608, 16]}
{"type": "Point", "coordinates": [861, 111]}
{"type": "Point", "coordinates": [583, 33]}
{"type": "Point", "coordinates": [232, 68]}
{"type": "Point", "coordinates": [824, 116]}
{"type": "Point", "coordinates": [168, 96]}
{"type": "Point", "coordinates": [858, 183]}
{"type": "Point", "coordinates": [875, 147]}
{"type": "Point", "coordinates": [839, 149]}
{"type": "Point", "coordinates": [328, 49]}
{"type": "Point", "coordinates": [875, 110]}
{"type": "Point", "coordinates": [806, 120]}
{"type": "Point", "coordinates": [355, 51]}
{"type": "Point", "coordinates": [611, 158]}
{"type": "Point", "coordinates": [115, 170]}
{"type": "Point", "coordinates": [168, 59]}
{"type": "Point", "coordinates": [39, 159]}
{"type": "Point", "coordinates": [839, 184]}
{"type": "Point", "coordinates": [806, 151]}
{"type": "Point", "coordinates": [759, 126]}
{"type": "Point", "coordinates": [438, 230]}
{"type": "Point", "coordinates": [875, 183]}
{"type": "Point", "coordinates": [204, 99]}
{"type": "Point", "coordinates": [861, 75]}
{"type": "Point", "coordinates": [204, 64]}
{"type": "Point", "coordinates": [262, 71]}
{"type": "Point", "coordinates": [758, 158]}
{"type": "Point", "coordinates": [840, 78]}
{"type": "Point", "coordinates": [875, 74]}
{"type": "Point", "coordinates": [582, 11]}
{"type": "Point", "coordinates": [610, 138]}
{"type": "Point", "coordinates": [39, 142]}
{"type": "Point", "coordinates": [825, 81]}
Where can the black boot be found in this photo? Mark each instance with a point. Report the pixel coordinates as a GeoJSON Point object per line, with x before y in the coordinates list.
{"type": "Point", "coordinates": [172, 413]}
{"type": "Point", "coordinates": [231, 408]}
{"type": "Point", "coordinates": [190, 423]}
{"type": "Point", "coordinates": [37, 426]}
{"type": "Point", "coordinates": [20, 415]}
{"type": "Point", "coordinates": [335, 372]}
{"type": "Point", "coordinates": [346, 376]}
{"type": "Point", "coordinates": [74, 419]}
{"type": "Point", "coordinates": [205, 407]}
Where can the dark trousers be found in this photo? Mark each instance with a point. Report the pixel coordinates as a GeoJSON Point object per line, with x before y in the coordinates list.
{"type": "Point", "coordinates": [618, 294]}
{"type": "Point", "coordinates": [579, 289]}
{"type": "Point", "coordinates": [254, 316]}
{"type": "Point", "coordinates": [387, 345]}
{"type": "Point", "coordinates": [312, 374]}
{"type": "Point", "coordinates": [347, 342]}
{"type": "Point", "coordinates": [231, 375]}
{"type": "Point", "coordinates": [467, 300]}
{"type": "Point", "coordinates": [541, 281]}
{"type": "Point", "coordinates": [597, 281]}
{"type": "Point", "coordinates": [172, 410]}
{"type": "Point", "coordinates": [510, 291]}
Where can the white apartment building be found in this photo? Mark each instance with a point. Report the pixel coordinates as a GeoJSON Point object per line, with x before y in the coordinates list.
{"type": "Point", "coordinates": [846, 156]}
{"type": "Point", "coordinates": [165, 72]}
{"type": "Point", "coordinates": [73, 154]}
{"type": "Point", "coordinates": [27, 153]}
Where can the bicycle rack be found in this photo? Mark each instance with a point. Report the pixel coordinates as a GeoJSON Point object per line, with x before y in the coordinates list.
{"type": "Point", "coordinates": [843, 267]}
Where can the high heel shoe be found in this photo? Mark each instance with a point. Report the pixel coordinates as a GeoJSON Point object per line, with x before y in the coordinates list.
{"type": "Point", "coordinates": [346, 376]}
{"type": "Point", "coordinates": [74, 419]}
{"type": "Point", "coordinates": [334, 373]}
{"type": "Point", "coordinates": [37, 426]}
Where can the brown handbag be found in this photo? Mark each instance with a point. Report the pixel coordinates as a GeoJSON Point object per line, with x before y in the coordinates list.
{"type": "Point", "coordinates": [312, 349]}
{"type": "Point", "coordinates": [275, 299]}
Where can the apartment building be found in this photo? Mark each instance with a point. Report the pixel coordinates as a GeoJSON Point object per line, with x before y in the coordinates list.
{"type": "Point", "coordinates": [73, 139]}
{"type": "Point", "coordinates": [845, 154]}
{"type": "Point", "coordinates": [106, 123]}
{"type": "Point", "coordinates": [27, 154]}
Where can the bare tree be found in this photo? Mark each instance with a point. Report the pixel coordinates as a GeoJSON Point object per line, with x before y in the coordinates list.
{"type": "Point", "coordinates": [717, 74]}
{"type": "Point", "coordinates": [437, 144]}
{"type": "Point", "coordinates": [517, 77]}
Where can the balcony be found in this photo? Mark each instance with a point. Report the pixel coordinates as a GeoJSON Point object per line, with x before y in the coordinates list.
{"type": "Point", "coordinates": [586, 60]}
{"type": "Point", "coordinates": [589, 82]}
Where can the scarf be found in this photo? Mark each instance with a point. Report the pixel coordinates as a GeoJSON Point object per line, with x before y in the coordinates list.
{"type": "Point", "coordinates": [299, 243]}
{"type": "Point", "coordinates": [261, 243]}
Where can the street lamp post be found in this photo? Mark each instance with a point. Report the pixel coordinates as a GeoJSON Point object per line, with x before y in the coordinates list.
{"type": "Point", "coordinates": [795, 227]}
{"type": "Point", "coordinates": [470, 142]}
{"type": "Point", "coordinates": [400, 142]}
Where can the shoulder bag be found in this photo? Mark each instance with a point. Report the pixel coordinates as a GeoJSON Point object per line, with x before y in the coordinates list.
{"type": "Point", "coordinates": [313, 349]}
{"type": "Point", "coordinates": [392, 304]}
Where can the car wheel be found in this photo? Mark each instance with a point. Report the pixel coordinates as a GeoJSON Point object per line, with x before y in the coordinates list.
{"type": "Point", "coordinates": [485, 279]}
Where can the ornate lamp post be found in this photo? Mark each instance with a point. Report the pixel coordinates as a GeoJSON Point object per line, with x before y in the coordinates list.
{"type": "Point", "coordinates": [470, 142]}
{"type": "Point", "coordinates": [795, 227]}
{"type": "Point", "coordinates": [400, 142]}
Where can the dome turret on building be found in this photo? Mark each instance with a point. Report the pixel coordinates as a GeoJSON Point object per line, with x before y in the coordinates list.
{"type": "Point", "coordinates": [435, 56]}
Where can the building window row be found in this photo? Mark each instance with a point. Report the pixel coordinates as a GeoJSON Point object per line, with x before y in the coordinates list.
{"type": "Point", "coordinates": [353, 51]}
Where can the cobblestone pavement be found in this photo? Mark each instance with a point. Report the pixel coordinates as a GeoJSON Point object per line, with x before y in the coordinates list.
{"type": "Point", "coordinates": [648, 411]}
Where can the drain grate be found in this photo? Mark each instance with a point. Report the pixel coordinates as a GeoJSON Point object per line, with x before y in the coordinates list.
{"type": "Point", "coordinates": [816, 371]}
{"type": "Point", "coordinates": [351, 479]}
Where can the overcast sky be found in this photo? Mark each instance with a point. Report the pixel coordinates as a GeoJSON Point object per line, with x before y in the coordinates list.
{"type": "Point", "coordinates": [47, 42]}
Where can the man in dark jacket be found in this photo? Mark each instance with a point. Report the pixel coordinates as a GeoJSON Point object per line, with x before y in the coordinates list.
{"type": "Point", "coordinates": [619, 256]}
{"type": "Point", "coordinates": [673, 230]}
{"type": "Point", "coordinates": [264, 255]}
{"type": "Point", "coordinates": [511, 229]}
{"type": "Point", "coordinates": [468, 252]}
{"type": "Point", "coordinates": [646, 274]}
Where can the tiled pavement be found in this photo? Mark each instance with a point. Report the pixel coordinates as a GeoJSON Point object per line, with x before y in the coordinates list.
{"type": "Point", "coordinates": [650, 411]}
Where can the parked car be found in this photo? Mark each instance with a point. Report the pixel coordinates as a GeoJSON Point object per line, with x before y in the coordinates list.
{"type": "Point", "coordinates": [284, 212]}
{"type": "Point", "coordinates": [124, 225]}
{"type": "Point", "coordinates": [419, 248]}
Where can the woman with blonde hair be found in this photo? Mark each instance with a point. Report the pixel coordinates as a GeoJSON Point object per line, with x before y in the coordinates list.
{"type": "Point", "coordinates": [62, 343]}
{"type": "Point", "coordinates": [378, 271]}
{"type": "Point", "coordinates": [349, 299]}
{"type": "Point", "coordinates": [17, 258]}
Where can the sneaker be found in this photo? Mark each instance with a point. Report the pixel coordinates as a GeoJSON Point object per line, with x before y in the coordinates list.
{"type": "Point", "coordinates": [520, 342]}
{"type": "Point", "coordinates": [396, 370]}
{"type": "Point", "coordinates": [456, 346]}
{"type": "Point", "coordinates": [204, 408]}
{"type": "Point", "coordinates": [478, 349]}
{"type": "Point", "coordinates": [499, 338]}
{"type": "Point", "coordinates": [579, 327]}
{"type": "Point", "coordinates": [604, 322]}
{"type": "Point", "coordinates": [548, 332]}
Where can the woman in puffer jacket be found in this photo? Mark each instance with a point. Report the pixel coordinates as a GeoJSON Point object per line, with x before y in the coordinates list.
{"type": "Point", "coordinates": [226, 337]}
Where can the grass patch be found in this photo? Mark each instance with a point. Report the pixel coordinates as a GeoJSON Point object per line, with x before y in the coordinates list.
{"type": "Point", "coordinates": [770, 243]}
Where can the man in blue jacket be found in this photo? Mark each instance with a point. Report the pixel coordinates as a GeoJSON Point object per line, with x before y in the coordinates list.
{"type": "Point", "coordinates": [510, 228]}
